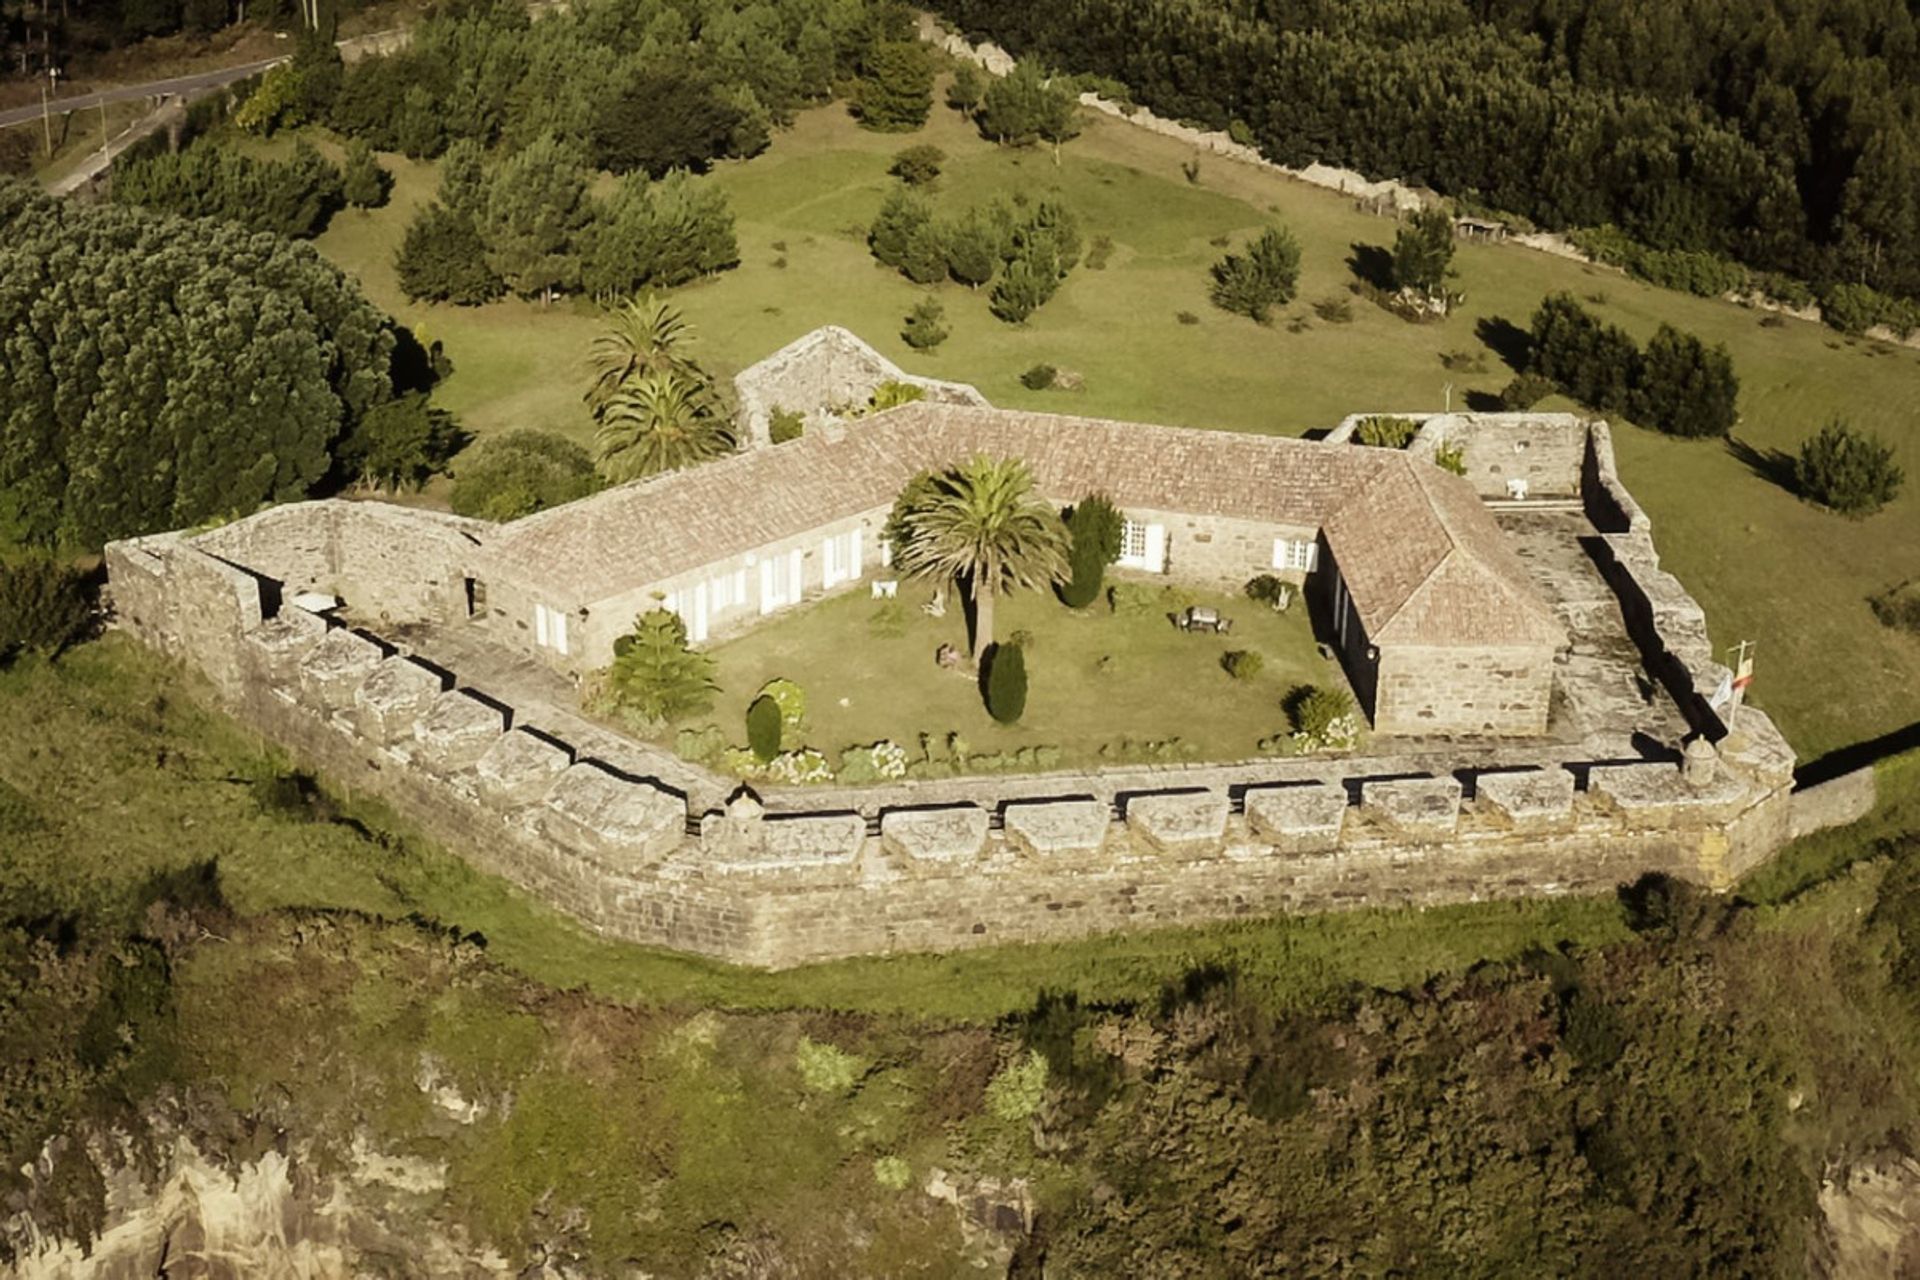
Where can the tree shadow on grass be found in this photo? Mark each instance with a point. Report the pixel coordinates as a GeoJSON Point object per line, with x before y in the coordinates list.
{"type": "Point", "coordinates": [1771, 465]}
{"type": "Point", "coordinates": [1485, 402]}
{"type": "Point", "coordinates": [1505, 339]}
{"type": "Point", "coordinates": [1372, 264]}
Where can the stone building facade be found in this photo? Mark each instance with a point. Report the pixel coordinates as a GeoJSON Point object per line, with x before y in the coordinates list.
{"type": "Point", "coordinates": [1473, 804]}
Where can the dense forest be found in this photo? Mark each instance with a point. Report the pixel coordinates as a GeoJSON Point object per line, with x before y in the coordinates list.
{"type": "Point", "coordinates": [1783, 133]}
{"type": "Point", "coordinates": [159, 371]}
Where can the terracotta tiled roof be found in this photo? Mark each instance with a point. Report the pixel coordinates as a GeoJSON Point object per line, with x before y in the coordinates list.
{"type": "Point", "coordinates": [1406, 518]}
{"type": "Point", "coordinates": [1426, 564]}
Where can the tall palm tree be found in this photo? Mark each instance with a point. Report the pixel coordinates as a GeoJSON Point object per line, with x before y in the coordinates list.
{"type": "Point", "coordinates": [643, 335]}
{"type": "Point", "coordinates": [983, 522]}
{"type": "Point", "coordinates": [658, 422]}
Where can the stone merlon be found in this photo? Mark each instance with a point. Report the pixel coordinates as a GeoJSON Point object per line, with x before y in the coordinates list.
{"type": "Point", "coordinates": [1057, 828]}
{"type": "Point", "coordinates": [621, 823]}
{"type": "Point", "coordinates": [1528, 799]}
{"type": "Point", "coordinates": [397, 694]}
{"type": "Point", "coordinates": [1421, 808]}
{"type": "Point", "coordinates": [336, 667]}
{"type": "Point", "coordinates": [958, 834]}
{"type": "Point", "coordinates": [1298, 819]}
{"type": "Point", "coordinates": [458, 729]}
{"type": "Point", "coordinates": [518, 769]}
{"type": "Point", "coordinates": [1181, 822]}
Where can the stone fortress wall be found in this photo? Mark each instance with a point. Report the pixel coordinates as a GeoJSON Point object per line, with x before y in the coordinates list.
{"type": "Point", "coordinates": [801, 875]}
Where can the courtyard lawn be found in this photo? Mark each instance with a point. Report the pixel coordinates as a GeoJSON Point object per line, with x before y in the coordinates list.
{"type": "Point", "coordinates": [1765, 566]}
{"type": "Point", "coordinates": [1097, 679]}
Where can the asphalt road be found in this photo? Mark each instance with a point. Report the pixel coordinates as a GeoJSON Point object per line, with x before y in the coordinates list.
{"type": "Point", "coordinates": [184, 86]}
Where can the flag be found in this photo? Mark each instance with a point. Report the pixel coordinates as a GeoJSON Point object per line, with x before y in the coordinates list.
{"type": "Point", "coordinates": [1724, 694]}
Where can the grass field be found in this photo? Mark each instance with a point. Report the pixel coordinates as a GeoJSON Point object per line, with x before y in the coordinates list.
{"type": "Point", "coordinates": [1766, 566]}
{"type": "Point", "coordinates": [1097, 679]}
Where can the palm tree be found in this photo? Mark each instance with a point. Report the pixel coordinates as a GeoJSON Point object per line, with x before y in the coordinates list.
{"type": "Point", "coordinates": [658, 422]}
{"type": "Point", "coordinates": [983, 522]}
{"type": "Point", "coordinates": [643, 336]}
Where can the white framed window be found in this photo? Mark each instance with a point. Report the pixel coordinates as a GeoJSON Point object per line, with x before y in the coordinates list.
{"type": "Point", "coordinates": [840, 558]}
{"type": "Point", "coordinates": [780, 580]}
{"type": "Point", "coordinates": [1143, 546]}
{"type": "Point", "coordinates": [550, 628]}
{"type": "Point", "coordinates": [1299, 554]}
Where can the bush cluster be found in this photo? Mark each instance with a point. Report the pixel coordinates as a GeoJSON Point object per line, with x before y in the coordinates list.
{"type": "Point", "coordinates": [1678, 385]}
{"type": "Point", "coordinates": [1849, 471]}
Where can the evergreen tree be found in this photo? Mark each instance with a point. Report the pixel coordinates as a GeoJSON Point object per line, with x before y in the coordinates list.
{"type": "Point", "coordinates": [508, 476]}
{"type": "Point", "coordinates": [159, 372]}
{"type": "Point", "coordinates": [363, 183]}
{"type": "Point", "coordinates": [659, 422]}
{"type": "Point", "coordinates": [45, 605]}
{"type": "Point", "coordinates": [1007, 683]}
{"type": "Point", "coordinates": [401, 444]}
{"type": "Point", "coordinates": [657, 235]}
{"type": "Point", "coordinates": [925, 258]}
{"type": "Point", "coordinates": [895, 92]}
{"type": "Point", "coordinates": [536, 212]}
{"type": "Point", "coordinates": [901, 214]}
{"type": "Point", "coordinates": [973, 246]}
{"type": "Point", "coordinates": [918, 166]}
{"type": "Point", "coordinates": [1423, 252]}
{"type": "Point", "coordinates": [665, 118]}
{"type": "Point", "coordinates": [1023, 288]}
{"type": "Point", "coordinates": [1095, 528]}
{"type": "Point", "coordinates": [1263, 277]}
{"type": "Point", "coordinates": [1029, 105]}
{"type": "Point", "coordinates": [443, 259]}
{"type": "Point", "coordinates": [764, 725]}
{"type": "Point", "coordinates": [463, 179]}
{"type": "Point", "coordinates": [1686, 388]}
{"type": "Point", "coordinates": [1848, 471]}
{"type": "Point", "coordinates": [656, 675]}
{"type": "Point", "coordinates": [926, 326]}
{"type": "Point", "coordinates": [963, 94]}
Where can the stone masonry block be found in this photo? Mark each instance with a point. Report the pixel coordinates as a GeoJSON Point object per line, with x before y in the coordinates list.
{"type": "Point", "coordinates": [458, 729]}
{"type": "Point", "coordinates": [1057, 828]}
{"type": "Point", "coordinates": [1304, 819]}
{"type": "Point", "coordinates": [397, 694]}
{"type": "Point", "coordinates": [935, 835]}
{"type": "Point", "coordinates": [283, 640]}
{"type": "Point", "coordinates": [518, 768]}
{"type": "Point", "coordinates": [1419, 808]}
{"type": "Point", "coordinates": [795, 844]}
{"type": "Point", "coordinates": [337, 666]}
{"type": "Point", "coordinates": [1655, 794]}
{"type": "Point", "coordinates": [1180, 822]}
{"type": "Point", "coordinates": [1529, 800]}
{"type": "Point", "coordinates": [612, 820]}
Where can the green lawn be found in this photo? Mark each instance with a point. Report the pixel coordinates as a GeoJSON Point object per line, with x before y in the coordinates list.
{"type": "Point", "coordinates": [1767, 567]}
{"type": "Point", "coordinates": [1097, 679]}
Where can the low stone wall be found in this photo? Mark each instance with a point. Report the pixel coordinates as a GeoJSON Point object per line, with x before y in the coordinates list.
{"type": "Point", "coordinates": [1837, 802]}
{"type": "Point", "coordinates": [828, 368]}
{"type": "Point", "coordinates": [812, 876]}
{"type": "Point", "coordinates": [1546, 450]}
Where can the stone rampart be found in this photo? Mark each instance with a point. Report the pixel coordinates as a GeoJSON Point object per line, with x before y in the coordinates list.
{"type": "Point", "coordinates": [809, 876]}
{"type": "Point", "coordinates": [1546, 451]}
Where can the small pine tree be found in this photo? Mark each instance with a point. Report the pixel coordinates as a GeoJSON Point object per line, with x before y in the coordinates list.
{"type": "Point", "coordinates": [926, 326]}
{"type": "Point", "coordinates": [1023, 289]}
{"type": "Point", "coordinates": [656, 675]}
{"type": "Point", "coordinates": [1007, 683]}
{"type": "Point", "coordinates": [1265, 276]}
{"type": "Point", "coordinates": [925, 258]}
{"type": "Point", "coordinates": [901, 214]}
{"type": "Point", "coordinates": [1095, 525]}
{"type": "Point", "coordinates": [1849, 471]}
{"type": "Point", "coordinates": [963, 95]}
{"type": "Point", "coordinates": [918, 166]}
{"type": "Point", "coordinates": [1423, 252]}
{"type": "Point", "coordinates": [896, 92]}
{"type": "Point", "coordinates": [443, 259]}
{"type": "Point", "coordinates": [44, 606]}
{"type": "Point", "coordinates": [973, 249]}
{"type": "Point", "coordinates": [1686, 388]}
{"type": "Point", "coordinates": [764, 724]}
{"type": "Point", "coordinates": [363, 182]}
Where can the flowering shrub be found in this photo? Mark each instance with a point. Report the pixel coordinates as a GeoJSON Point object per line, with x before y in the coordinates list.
{"type": "Point", "coordinates": [802, 768]}
{"type": "Point", "coordinates": [883, 761]}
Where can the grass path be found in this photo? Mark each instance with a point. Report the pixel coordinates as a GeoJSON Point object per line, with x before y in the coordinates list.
{"type": "Point", "coordinates": [1765, 566]}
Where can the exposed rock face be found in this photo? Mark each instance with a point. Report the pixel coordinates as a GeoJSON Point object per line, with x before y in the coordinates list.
{"type": "Point", "coordinates": [1869, 1226]}
{"type": "Point", "coordinates": [274, 1216]}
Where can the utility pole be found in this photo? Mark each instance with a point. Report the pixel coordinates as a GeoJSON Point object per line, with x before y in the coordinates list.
{"type": "Point", "coordinates": [106, 156]}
